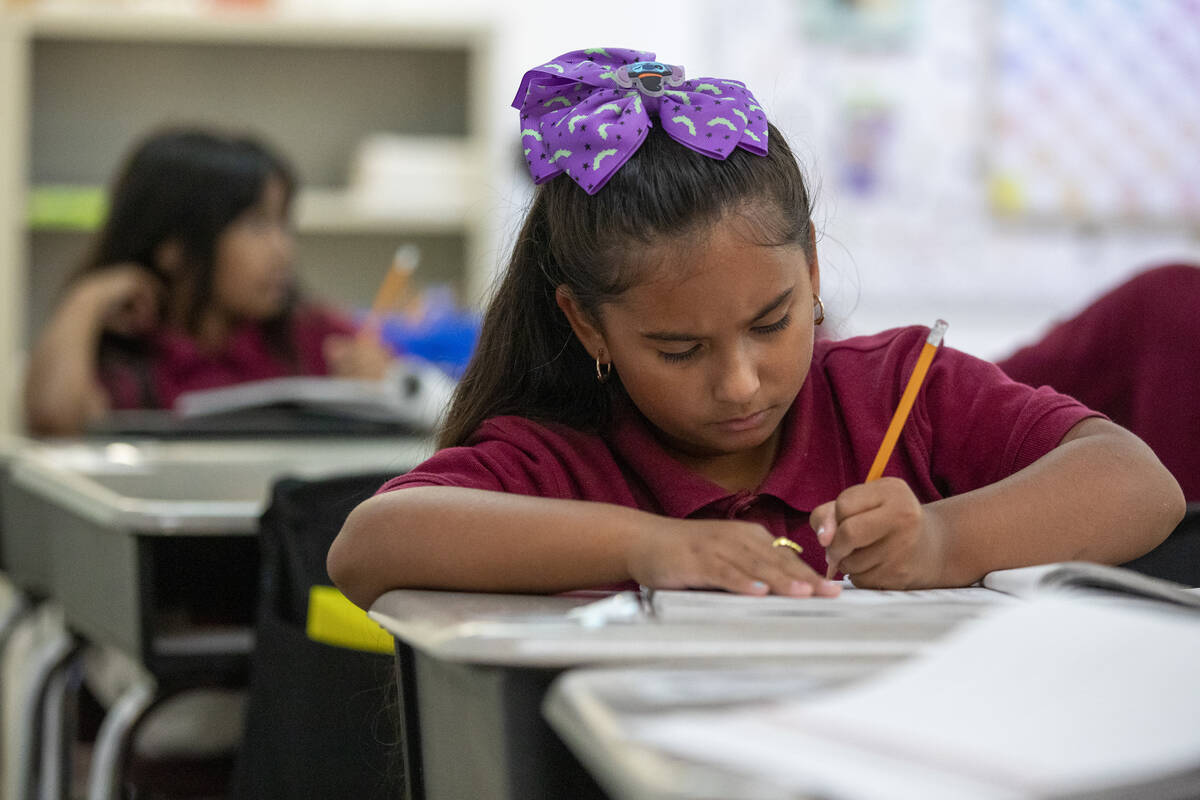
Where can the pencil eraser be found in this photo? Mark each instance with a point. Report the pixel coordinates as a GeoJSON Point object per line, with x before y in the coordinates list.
{"type": "Point", "coordinates": [937, 332]}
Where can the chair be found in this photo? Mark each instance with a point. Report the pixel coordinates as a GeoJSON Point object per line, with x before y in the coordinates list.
{"type": "Point", "coordinates": [321, 720]}
{"type": "Point", "coordinates": [1178, 557]}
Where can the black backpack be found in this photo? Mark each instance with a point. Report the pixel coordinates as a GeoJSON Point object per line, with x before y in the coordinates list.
{"type": "Point", "coordinates": [321, 721]}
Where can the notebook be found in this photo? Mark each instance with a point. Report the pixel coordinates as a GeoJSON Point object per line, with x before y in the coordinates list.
{"type": "Point", "coordinates": [997, 587]}
{"type": "Point", "coordinates": [411, 395]}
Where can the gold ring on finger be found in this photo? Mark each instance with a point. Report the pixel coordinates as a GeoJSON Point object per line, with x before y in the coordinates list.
{"type": "Point", "coordinates": [783, 541]}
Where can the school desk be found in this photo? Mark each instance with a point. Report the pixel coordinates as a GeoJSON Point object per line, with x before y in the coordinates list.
{"type": "Point", "coordinates": [1013, 704]}
{"type": "Point", "coordinates": [472, 671]}
{"type": "Point", "coordinates": [148, 546]}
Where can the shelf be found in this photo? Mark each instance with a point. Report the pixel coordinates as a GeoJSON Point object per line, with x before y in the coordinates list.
{"type": "Point", "coordinates": [318, 211]}
{"type": "Point", "coordinates": [66, 208]}
{"type": "Point", "coordinates": [417, 28]}
{"type": "Point", "coordinates": [337, 211]}
{"type": "Point", "coordinates": [401, 184]}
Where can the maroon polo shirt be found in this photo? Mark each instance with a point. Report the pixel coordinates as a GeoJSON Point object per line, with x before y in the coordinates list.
{"type": "Point", "coordinates": [178, 365]}
{"type": "Point", "coordinates": [1133, 354]}
{"type": "Point", "coordinates": [970, 426]}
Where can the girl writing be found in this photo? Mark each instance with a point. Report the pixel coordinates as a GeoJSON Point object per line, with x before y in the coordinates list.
{"type": "Point", "coordinates": [188, 285]}
{"type": "Point", "coordinates": [649, 402]}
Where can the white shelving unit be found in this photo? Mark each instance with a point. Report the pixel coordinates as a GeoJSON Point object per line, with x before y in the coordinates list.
{"type": "Point", "coordinates": [78, 88]}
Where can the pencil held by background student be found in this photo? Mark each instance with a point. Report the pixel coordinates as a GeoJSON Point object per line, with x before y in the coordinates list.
{"type": "Point", "coordinates": [188, 285]}
{"type": "Point", "coordinates": [392, 289]}
{"type": "Point", "coordinates": [649, 403]}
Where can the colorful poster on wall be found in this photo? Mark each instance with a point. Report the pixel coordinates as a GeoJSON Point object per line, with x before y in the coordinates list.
{"type": "Point", "coordinates": [1095, 111]}
{"type": "Point", "coordinates": [863, 23]}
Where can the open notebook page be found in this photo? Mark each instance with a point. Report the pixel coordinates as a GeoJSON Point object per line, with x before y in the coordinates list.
{"type": "Point", "coordinates": [1050, 697]}
{"type": "Point", "coordinates": [673, 605]}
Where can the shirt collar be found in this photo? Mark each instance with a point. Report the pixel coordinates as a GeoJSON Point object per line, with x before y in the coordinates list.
{"type": "Point", "coordinates": [807, 471]}
{"type": "Point", "coordinates": [679, 491]}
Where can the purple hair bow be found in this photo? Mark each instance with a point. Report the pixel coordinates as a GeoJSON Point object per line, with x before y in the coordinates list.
{"type": "Point", "coordinates": [586, 112]}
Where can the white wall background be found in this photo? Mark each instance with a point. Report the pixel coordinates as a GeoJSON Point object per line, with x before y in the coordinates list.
{"type": "Point", "coordinates": [925, 244]}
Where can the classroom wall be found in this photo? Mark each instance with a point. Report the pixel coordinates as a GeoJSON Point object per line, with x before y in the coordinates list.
{"type": "Point", "coordinates": [900, 126]}
{"type": "Point", "coordinates": [897, 119]}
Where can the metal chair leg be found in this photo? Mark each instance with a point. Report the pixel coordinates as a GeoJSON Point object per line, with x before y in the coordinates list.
{"type": "Point", "coordinates": [59, 728]}
{"type": "Point", "coordinates": [12, 616]}
{"type": "Point", "coordinates": [47, 660]}
{"type": "Point", "coordinates": [21, 608]}
{"type": "Point", "coordinates": [112, 742]}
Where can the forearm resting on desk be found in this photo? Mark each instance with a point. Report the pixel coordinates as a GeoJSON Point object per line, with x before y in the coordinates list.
{"type": "Point", "coordinates": [438, 537]}
{"type": "Point", "coordinates": [1101, 495]}
{"type": "Point", "coordinates": [441, 537]}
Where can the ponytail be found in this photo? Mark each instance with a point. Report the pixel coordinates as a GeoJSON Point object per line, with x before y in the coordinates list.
{"type": "Point", "coordinates": [527, 361]}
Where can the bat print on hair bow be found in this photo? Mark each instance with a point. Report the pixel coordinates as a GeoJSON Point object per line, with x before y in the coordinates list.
{"type": "Point", "coordinates": [586, 112]}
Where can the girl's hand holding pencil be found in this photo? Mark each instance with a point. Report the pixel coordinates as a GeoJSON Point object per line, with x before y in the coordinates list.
{"type": "Point", "coordinates": [360, 356]}
{"type": "Point", "coordinates": [877, 532]}
{"type": "Point", "coordinates": [880, 535]}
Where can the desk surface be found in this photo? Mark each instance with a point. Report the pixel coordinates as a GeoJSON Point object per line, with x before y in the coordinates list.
{"type": "Point", "coordinates": [213, 486]}
{"type": "Point", "coordinates": [536, 631]}
{"type": "Point", "coordinates": [91, 524]}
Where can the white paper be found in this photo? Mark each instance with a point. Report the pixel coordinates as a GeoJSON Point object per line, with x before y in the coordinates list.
{"type": "Point", "coordinates": [672, 605]}
{"type": "Point", "coordinates": [1050, 696]}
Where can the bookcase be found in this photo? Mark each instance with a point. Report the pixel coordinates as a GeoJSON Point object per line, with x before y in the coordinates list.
{"type": "Point", "coordinates": [79, 87]}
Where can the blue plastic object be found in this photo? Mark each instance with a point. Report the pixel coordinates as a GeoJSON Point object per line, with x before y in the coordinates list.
{"type": "Point", "coordinates": [443, 334]}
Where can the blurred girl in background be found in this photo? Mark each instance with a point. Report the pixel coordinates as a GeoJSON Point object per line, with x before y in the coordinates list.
{"type": "Point", "coordinates": [189, 285]}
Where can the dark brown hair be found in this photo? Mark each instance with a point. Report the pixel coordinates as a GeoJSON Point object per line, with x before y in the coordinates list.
{"type": "Point", "coordinates": [528, 361]}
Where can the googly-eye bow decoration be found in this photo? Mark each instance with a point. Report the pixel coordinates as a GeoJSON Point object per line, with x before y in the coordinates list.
{"type": "Point", "coordinates": [586, 112]}
{"type": "Point", "coordinates": [650, 77]}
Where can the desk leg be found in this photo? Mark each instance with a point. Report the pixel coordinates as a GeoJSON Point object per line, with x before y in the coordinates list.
{"type": "Point", "coordinates": [483, 735]}
{"type": "Point", "coordinates": [113, 739]}
{"type": "Point", "coordinates": [410, 722]}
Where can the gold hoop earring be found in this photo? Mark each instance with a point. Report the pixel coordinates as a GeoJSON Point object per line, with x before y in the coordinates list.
{"type": "Point", "coordinates": [818, 310]}
{"type": "Point", "coordinates": [602, 370]}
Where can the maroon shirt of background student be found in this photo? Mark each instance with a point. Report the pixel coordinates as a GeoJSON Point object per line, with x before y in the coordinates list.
{"type": "Point", "coordinates": [970, 426]}
{"type": "Point", "coordinates": [1134, 354]}
{"type": "Point", "coordinates": [178, 365]}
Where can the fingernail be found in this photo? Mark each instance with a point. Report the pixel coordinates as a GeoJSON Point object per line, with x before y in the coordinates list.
{"type": "Point", "coordinates": [821, 535]}
{"type": "Point", "coordinates": [758, 586]}
{"type": "Point", "coordinates": [832, 588]}
{"type": "Point", "coordinates": [800, 589]}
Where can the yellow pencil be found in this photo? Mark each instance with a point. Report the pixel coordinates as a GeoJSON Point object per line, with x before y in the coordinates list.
{"type": "Point", "coordinates": [394, 284]}
{"type": "Point", "coordinates": [902, 411]}
{"type": "Point", "coordinates": [906, 400]}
